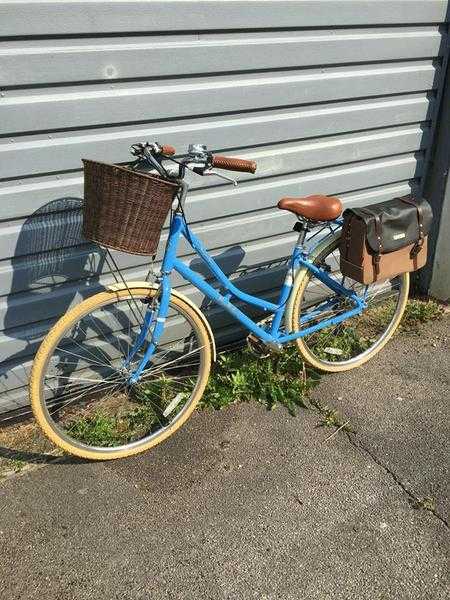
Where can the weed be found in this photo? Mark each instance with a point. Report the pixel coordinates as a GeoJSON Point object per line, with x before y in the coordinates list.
{"type": "Point", "coordinates": [239, 376]}
{"type": "Point", "coordinates": [97, 430]}
{"type": "Point", "coordinates": [421, 311]}
{"type": "Point", "coordinates": [338, 344]}
{"type": "Point", "coordinates": [330, 417]}
{"type": "Point", "coordinates": [122, 420]}
{"type": "Point", "coordinates": [416, 311]}
{"type": "Point", "coordinates": [159, 391]}
{"type": "Point", "coordinates": [17, 464]}
{"type": "Point", "coordinates": [101, 429]}
{"type": "Point", "coordinates": [425, 503]}
{"type": "Point", "coordinates": [242, 376]}
{"type": "Point", "coordinates": [346, 341]}
{"type": "Point", "coordinates": [23, 444]}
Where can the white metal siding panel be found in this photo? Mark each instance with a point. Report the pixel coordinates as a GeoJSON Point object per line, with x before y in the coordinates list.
{"type": "Point", "coordinates": [329, 96]}
{"type": "Point", "coordinates": [27, 62]}
{"type": "Point", "coordinates": [60, 17]}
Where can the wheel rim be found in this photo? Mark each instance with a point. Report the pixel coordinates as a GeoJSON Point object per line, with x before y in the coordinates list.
{"type": "Point", "coordinates": [356, 339]}
{"type": "Point", "coordinates": [84, 390]}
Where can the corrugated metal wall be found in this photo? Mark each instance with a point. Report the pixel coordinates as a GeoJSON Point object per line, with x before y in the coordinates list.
{"type": "Point", "coordinates": [333, 97]}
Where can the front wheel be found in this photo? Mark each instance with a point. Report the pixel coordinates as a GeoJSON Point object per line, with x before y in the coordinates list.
{"type": "Point", "coordinates": [80, 381]}
{"type": "Point", "coordinates": [356, 340]}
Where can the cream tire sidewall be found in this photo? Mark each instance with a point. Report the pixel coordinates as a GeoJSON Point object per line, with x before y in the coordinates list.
{"type": "Point", "coordinates": [47, 347]}
{"type": "Point", "coordinates": [300, 286]}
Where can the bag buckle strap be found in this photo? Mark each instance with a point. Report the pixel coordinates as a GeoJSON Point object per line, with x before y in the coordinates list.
{"type": "Point", "coordinates": [376, 263]}
{"type": "Point", "coordinates": [418, 245]}
{"type": "Point", "coordinates": [379, 231]}
{"type": "Point", "coordinates": [416, 248]}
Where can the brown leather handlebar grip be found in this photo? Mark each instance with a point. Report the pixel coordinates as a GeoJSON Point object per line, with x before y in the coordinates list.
{"type": "Point", "coordinates": [168, 150]}
{"type": "Point", "coordinates": [234, 164]}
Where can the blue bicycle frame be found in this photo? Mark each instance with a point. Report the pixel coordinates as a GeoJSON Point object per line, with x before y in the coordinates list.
{"type": "Point", "coordinates": [270, 335]}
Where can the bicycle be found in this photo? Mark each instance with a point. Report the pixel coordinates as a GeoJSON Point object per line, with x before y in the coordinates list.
{"type": "Point", "coordinates": [125, 368]}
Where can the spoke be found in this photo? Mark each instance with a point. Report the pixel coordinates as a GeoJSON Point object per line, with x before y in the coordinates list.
{"type": "Point", "coordinates": [87, 389]}
{"type": "Point", "coordinates": [97, 329]}
{"type": "Point", "coordinates": [388, 295]}
{"type": "Point", "coordinates": [76, 394]}
{"type": "Point", "coordinates": [90, 352]}
{"type": "Point", "coordinates": [74, 378]}
{"type": "Point", "coordinates": [171, 380]}
{"type": "Point", "coordinates": [166, 351]}
{"type": "Point", "coordinates": [82, 357]}
{"type": "Point", "coordinates": [113, 384]}
{"type": "Point", "coordinates": [129, 338]}
{"type": "Point", "coordinates": [148, 372]}
{"type": "Point", "coordinates": [155, 405]}
{"type": "Point", "coordinates": [125, 352]}
{"type": "Point", "coordinates": [66, 364]}
{"type": "Point", "coordinates": [75, 388]}
{"type": "Point", "coordinates": [184, 366]}
{"type": "Point", "coordinates": [177, 359]}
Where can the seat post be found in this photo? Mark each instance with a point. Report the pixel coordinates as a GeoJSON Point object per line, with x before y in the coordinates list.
{"type": "Point", "coordinates": [302, 227]}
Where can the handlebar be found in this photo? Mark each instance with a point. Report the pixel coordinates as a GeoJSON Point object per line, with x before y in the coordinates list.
{"type": "Point", "coordinates": [227, 163]}
{"type": "Point", "coordinates": [233, 164]}
{"type": "Point", "coordinates": [168, 150]}
{"type": "Point", "coordinates": [198, 156]}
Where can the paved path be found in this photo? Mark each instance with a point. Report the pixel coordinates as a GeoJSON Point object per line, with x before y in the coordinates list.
{"type": "Point", "coordinates": [246, 503]}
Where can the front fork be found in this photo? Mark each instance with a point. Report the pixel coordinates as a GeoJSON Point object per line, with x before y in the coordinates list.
{"type": "Point", "coordinates": [156, 314]}
{"type": "Point", "coordinates": [154, 321]}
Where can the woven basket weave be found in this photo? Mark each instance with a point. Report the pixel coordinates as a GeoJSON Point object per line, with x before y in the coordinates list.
{"type": "Point", "coordinates": [124, 209]}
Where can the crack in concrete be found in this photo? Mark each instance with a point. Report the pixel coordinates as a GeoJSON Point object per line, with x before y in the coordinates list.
{"type": "Point", "coordinates": [358, 445]}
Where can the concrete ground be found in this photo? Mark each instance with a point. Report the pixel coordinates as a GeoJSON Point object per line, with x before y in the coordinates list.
{"type": "Point", "coordinates": [247, 503]}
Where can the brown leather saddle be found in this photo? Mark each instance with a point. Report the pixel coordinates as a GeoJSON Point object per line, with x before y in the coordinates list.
{"type": "Point", "coordinates": [313, 208]}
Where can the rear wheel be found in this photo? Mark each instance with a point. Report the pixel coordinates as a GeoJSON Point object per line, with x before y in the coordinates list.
{"type": "Point", "coordinates": [356, 340]}
{"type": "Point", "coordinates": [79, 387]}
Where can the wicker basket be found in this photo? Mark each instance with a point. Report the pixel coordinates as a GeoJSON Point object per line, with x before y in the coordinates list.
{"type": "Point", "coordinates": [124, 209]}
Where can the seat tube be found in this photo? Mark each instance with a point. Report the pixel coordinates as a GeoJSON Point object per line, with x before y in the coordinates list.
{"type": "Point", "coordinates": [285, 292]}
{"type": "Point", "coordinates": [286, 289]}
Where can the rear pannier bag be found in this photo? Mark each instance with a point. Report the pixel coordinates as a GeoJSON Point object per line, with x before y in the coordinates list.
{"type": "Point", "coordinates": [385, 239]}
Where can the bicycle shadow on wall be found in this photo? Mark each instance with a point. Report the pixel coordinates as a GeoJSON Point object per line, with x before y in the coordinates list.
{"type": "Point", "coordinates": [52, 267]}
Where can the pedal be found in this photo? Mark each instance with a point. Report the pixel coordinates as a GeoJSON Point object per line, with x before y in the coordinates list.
{"type": "Point", "coordinates": [257, 346]}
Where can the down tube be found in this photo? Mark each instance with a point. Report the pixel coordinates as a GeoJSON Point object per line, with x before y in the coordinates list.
{"type": "Point", "coordinates": [222, 278]}
{"type": "Point", "coordinates": [214, 295]}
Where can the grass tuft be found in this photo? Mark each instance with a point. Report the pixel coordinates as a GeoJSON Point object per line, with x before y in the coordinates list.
{"type": "Point", "coordinates": [242, 376]}
{"type": "Point", "coordinates": [17, 464]}
{"type": "Point", "coordinates": [340, 344]}
{"type": "Point", "coordinates": [420, 311]}
{"type": "Point", "coordinates": [348, 340]}
{"type": "Point", "coordinates": [330, 417]}
{"type": "Point", "coordinates": [104, 430]}
{"type": "Point", "coordinates": [425, 503]}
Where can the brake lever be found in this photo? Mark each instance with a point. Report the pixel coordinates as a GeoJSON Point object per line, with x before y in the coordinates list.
{"type": "Point", "coordinates": [137, 149]}
{"type": "Point", "coordinates": [221, 176]}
